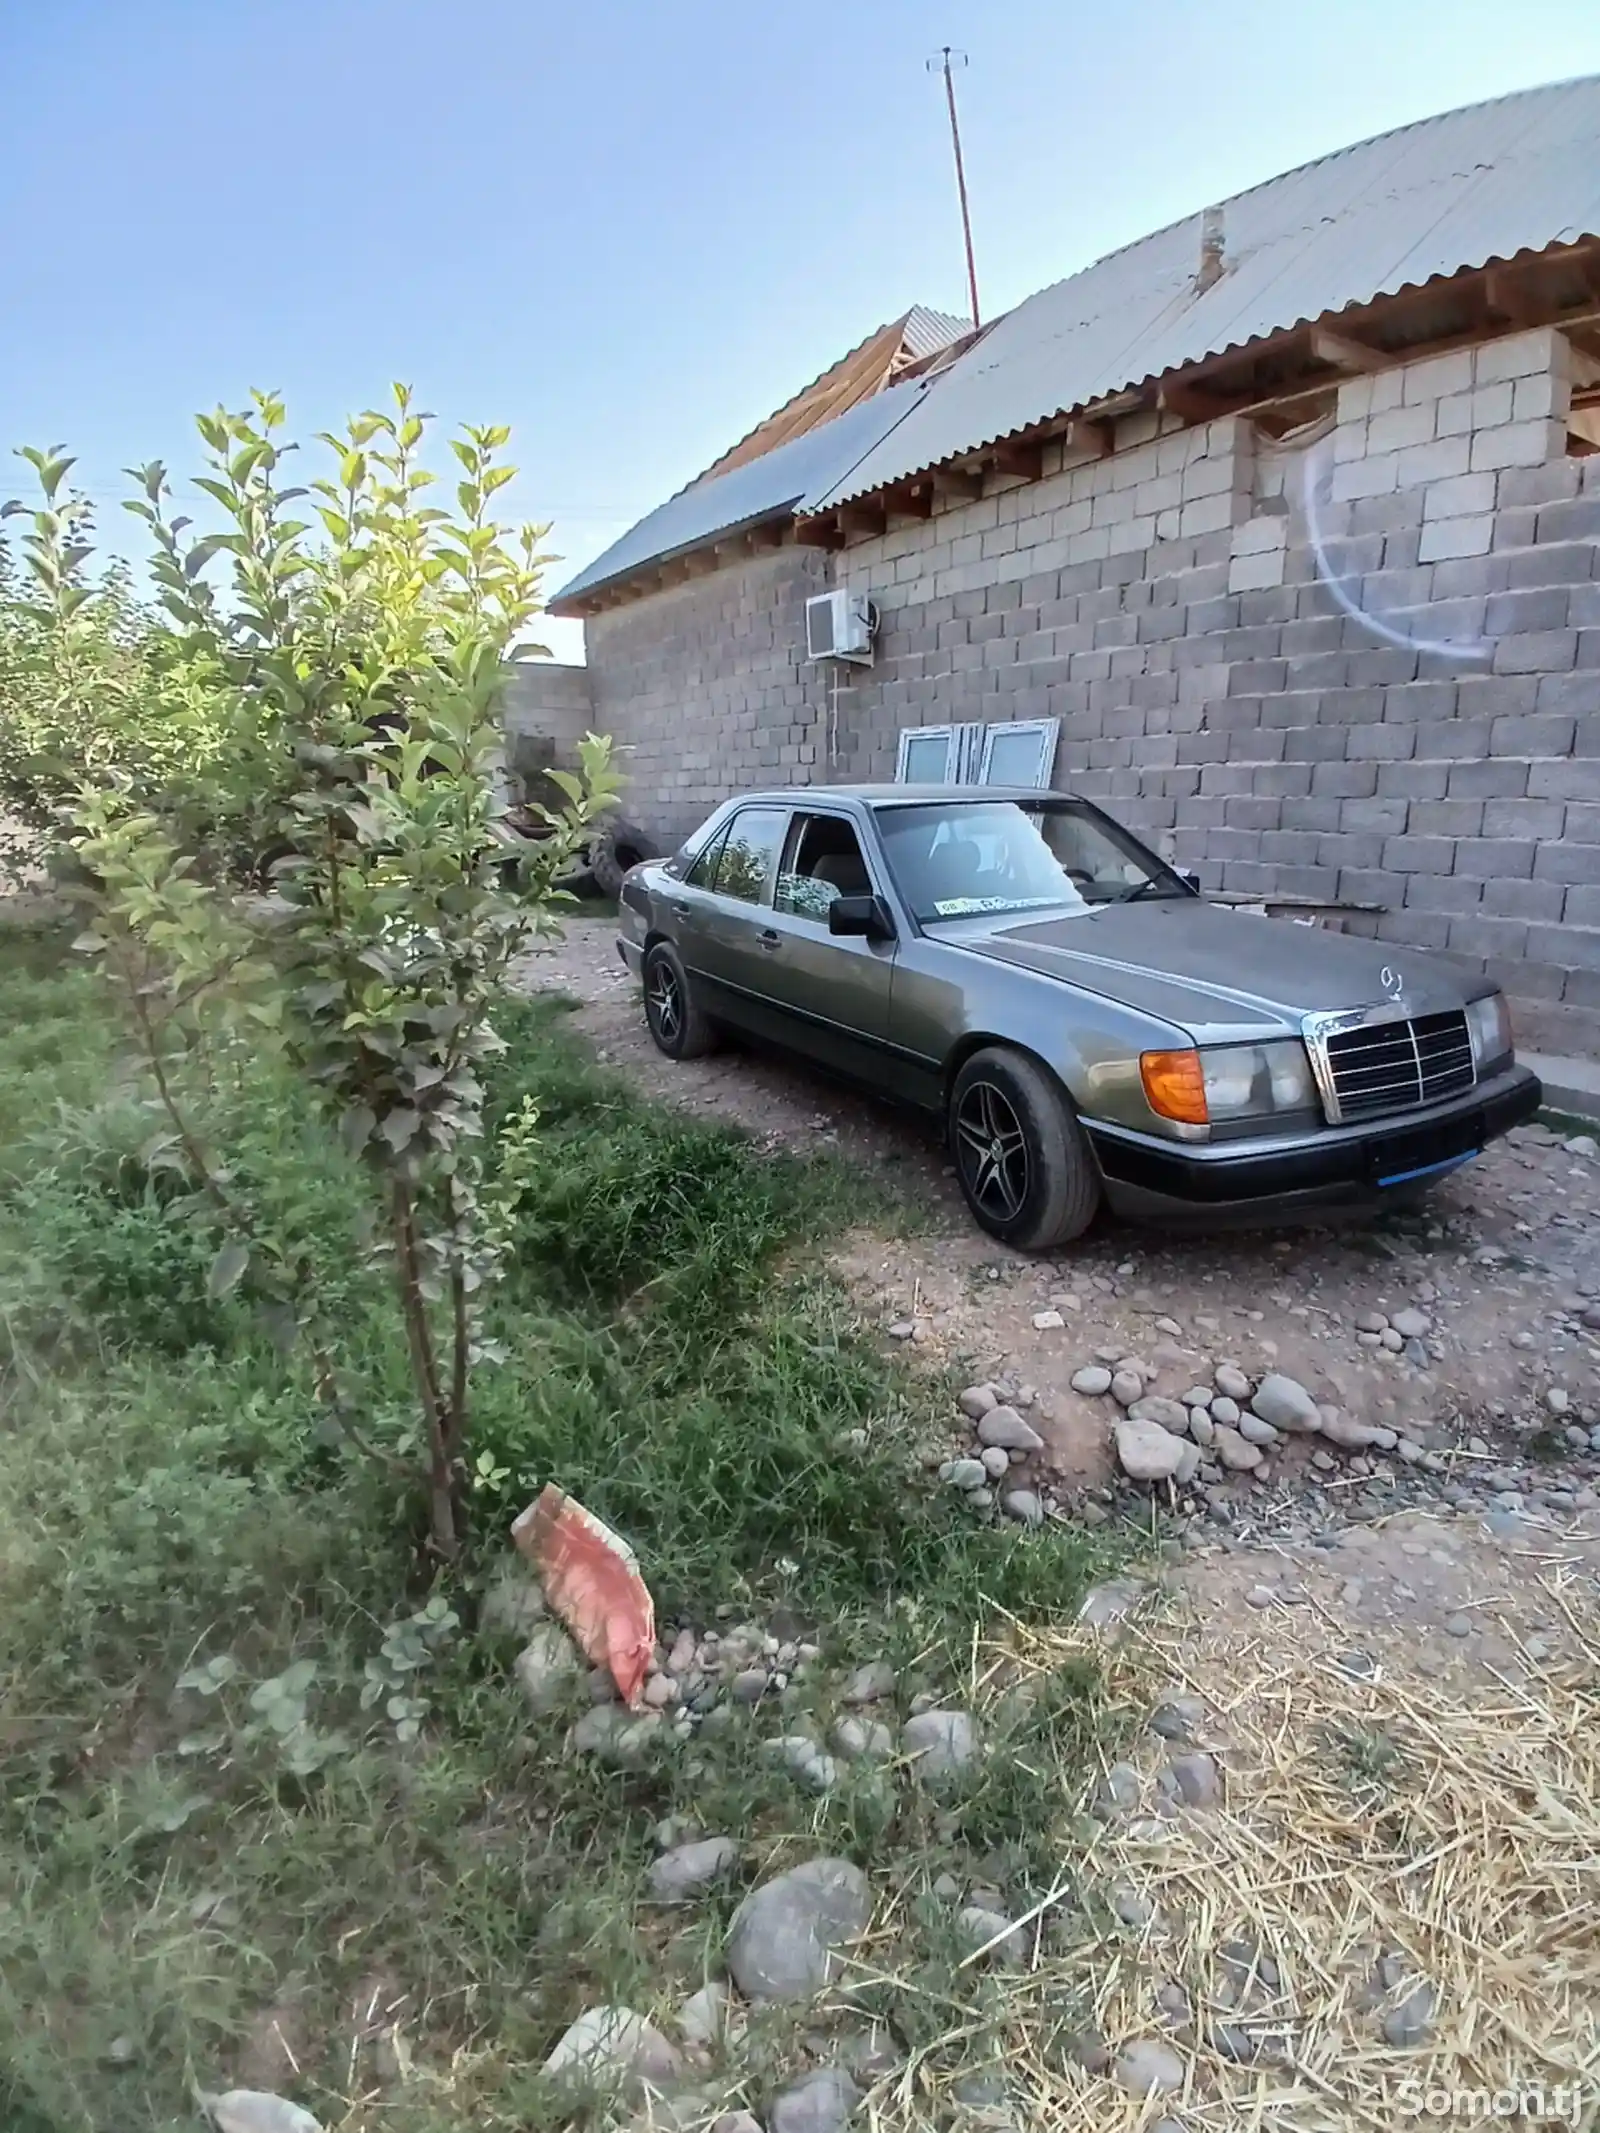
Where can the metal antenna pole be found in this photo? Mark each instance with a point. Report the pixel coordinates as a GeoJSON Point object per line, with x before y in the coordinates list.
{"type": "Point", "coordinates": [942, 63]}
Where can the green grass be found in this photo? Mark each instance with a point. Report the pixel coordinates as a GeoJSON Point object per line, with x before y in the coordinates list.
{"type": "Point", "coordinates": [172, 1882]}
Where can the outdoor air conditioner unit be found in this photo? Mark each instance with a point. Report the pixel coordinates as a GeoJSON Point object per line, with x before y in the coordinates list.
{"type": "Point", "coordinates": [839, 625]}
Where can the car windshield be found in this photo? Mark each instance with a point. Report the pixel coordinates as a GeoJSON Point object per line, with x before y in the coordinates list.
{"type": "Point", "coordinates": [970, 859]}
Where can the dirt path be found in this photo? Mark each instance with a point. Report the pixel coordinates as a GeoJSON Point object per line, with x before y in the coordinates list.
{"type": "Point", "coordinates": [1501, 1267]}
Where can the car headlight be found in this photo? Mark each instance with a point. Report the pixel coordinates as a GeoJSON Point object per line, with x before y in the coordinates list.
{"type": "Point", "coordinates": [1489, 1026]}
{"type": "Point", "coordinates": [1233, 1081]}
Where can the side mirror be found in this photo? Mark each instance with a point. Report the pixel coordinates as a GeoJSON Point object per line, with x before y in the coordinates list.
{"type": "Point", "coordinates": [864, 915]}
{"type": "Point", "coordinates": [1189, 878]}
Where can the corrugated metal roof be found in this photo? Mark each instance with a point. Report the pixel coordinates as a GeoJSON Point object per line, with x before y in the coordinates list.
{"type": "Point", "coordinates": [765, 488]}
{"type": "Point", "coordinates": [1432, 199]}
{"type": "Point", "coordinates": [925, 332]}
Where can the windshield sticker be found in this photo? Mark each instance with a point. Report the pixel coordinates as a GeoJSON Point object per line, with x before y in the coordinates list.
{"type": "Point", "coordinates": [972, 906]}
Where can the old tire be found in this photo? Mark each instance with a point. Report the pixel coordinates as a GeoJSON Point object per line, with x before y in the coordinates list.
{"type": "Point", "coordinates": [677, 1025]}
{"type": "Point", "coordinates": [1024, 1164]}
{"type": "Point", "coordinates": [618, 846]}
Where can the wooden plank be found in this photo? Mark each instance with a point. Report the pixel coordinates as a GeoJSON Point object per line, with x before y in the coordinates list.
{"type": "Point", "coordinates": [1026, 460]}
{"type": "Point", "coordinates": [957, 482]}
{"type": "Point", "coordinates": [1346, 354]}
{"type": "Point", "coordinates": [914, 500]}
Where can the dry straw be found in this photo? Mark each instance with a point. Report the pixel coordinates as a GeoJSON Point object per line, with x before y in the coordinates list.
{"type": "Point", "coordinates": [1378, 1829]}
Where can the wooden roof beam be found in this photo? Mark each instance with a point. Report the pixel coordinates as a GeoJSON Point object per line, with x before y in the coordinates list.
{"type": "Point", "coordinates": [960, 484]}
{"type": "Point", "coordinates": [822, 531]}
{"type": "Point", "coordinates": [913, 500]}
{"type": "Point", "coordinates": [1340, 352]}
{"type": "Point", "coordinates": [867, 517]}
{"type": "Point", "coordinates": [1023, 460]}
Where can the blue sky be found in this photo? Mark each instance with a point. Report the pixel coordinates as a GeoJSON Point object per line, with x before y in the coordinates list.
{"type": "Point", "coordinates": [628, 229]}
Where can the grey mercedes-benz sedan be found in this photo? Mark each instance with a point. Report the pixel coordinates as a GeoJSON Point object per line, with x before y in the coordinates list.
{"type": "Point", "coordinates": [1082, 1022]}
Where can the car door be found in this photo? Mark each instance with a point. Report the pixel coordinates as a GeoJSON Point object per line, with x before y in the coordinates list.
{"type": "Point", "coordinates": [833, 989]}
{"type": "Point", "coordinates": [734, 942]}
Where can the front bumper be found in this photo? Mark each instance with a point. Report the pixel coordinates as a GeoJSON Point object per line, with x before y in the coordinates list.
{"type": "Point", "coordinates": [1355, 1168]}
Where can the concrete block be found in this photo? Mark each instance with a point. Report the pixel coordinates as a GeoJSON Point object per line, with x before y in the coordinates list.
{"type": "Point", "coordinates": [1557, 481]}
{"type": "Point", "coordinates": [1461, 535]}
{"type": "Point", "coordinates": [1373, 476]}
{"type": "Point", "coordinates": [1419, 855]}
{"type": "Point", "coordinates": [1490, 858]}
{"type": "Point", "coordinates": [1542, 607]}
{"type": "Point", "coordinates": [1569, 947]}
{"type": "Point", "coordinates": [1438, 460]}
{"type": "Point", "coordinates": [1463, 495]}
{"type": "Point", "coordinates": [1485, 937]}
{"type": "Point", "coordinates": [1395, 428]}
{"type": "Point", "coordinates": [1546, 394]}
{"type": "Point", "coordinates": [1449, 895]}
{"type": "Point", "coordinates": [1537, 819]}
{"type": "Point", "coordinates": [1542, 902]}
{"type": "Point", "coordinates": [1568, 862]}
{"type": "Point", "coordinates": [1518, 444]}
{"type": "Point", "coordinates": [1436, 376]}
{"type": "Point", "coordinates": [1412, 780]}
{"type": "Point", "coordinates": [1446, 818]}
{"type": "Point", "coordinates": [1520, 355]}
{"type": "Point", "coordinates": [1534, 733]}
{"type": "Point", "coordinates": [1492, 780]}
{"type": "Point", "coordinates": [1566, 778]}
{"type": "Point", "coordinates": [1536, 652]}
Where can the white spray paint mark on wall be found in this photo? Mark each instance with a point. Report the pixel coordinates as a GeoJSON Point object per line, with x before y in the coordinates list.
{"type": "Point", "coordinates": [1316, 474]}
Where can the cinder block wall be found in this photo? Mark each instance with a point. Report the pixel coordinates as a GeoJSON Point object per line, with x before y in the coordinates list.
{"type": "Point", "coordinates": [706, 689]}
{"type": "Point", "coordinates": [544, 697]}
{"type": "Point", "coordinates": [1386, 689]}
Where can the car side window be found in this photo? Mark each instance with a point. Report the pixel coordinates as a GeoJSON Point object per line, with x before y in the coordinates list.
{"type": "Point", "coordinates": [702, 869]}
{"type": "Point", "coordinates": [822, 860]}
{"type": "Point", "coordinates": [749, 853]}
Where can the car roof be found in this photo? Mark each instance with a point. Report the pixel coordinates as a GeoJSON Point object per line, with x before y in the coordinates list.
{"type": "Point", "coordinates": [878, 796]}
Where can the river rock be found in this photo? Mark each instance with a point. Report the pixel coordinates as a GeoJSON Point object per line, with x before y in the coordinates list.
{"type": "Point", "coordinates": [1234, 1452]}
{"type": "Point", "coordinates": [967, 1474]}
{"type": "Point", "coordinates": [1255, 1431]}
{"type": "Point", "coordinates": [940, 1742]}
{"type": "Point", "coordinates": [1148, 2067]}
{"type": "Point", "coordinates": [785, 1935]}
{"type": "Point", "coordinates": [1126, 1387]}
{"type": "Point", "coordinates": [615, 2042]}
{"type": "Point", "coordinates": [1285, 1403]}
{"type": "Point", "coordinates": [1093, 1379]}
{"type": "Point", "coordinates": [870, 1683]}
{"type": "Point", "coordinates": [820, 2102]}
{"type": "Point", "coordinates": [1231, 1381]}
{"type": "Point", "coordinates": [688, 1868]}
{"type": "Point", "coordinates": [1155, 1407]}
{"type": "Point", "coordinates": [1147, 1451]}
{"type": "Point", "coordinates": [1004, 1427]}
{"type": "Point", "coordinates": [547, 1668]}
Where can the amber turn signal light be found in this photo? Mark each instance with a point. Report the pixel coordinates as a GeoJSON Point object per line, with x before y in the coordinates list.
{"type": "Point", "coordinates": [1175, 1086]}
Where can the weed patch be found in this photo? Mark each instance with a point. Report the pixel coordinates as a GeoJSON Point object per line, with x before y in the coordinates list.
{"type": "Point", "coordinates": [250, 1788]}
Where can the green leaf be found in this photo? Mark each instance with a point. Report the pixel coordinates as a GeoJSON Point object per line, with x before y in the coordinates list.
{"type": "Point", "coordinates": [227, 1268]}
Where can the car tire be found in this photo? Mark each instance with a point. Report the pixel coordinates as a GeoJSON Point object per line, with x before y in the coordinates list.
{"type": "Point", "coordinates": [677, 1024]}
{"type": "Point", "coordinates": [1024, 1164]}
{"type": "Point", "coordinates": [618, 846]}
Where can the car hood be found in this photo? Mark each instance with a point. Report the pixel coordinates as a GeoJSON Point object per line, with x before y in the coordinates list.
{"type": "Point", "coordinates": [1216, 972]}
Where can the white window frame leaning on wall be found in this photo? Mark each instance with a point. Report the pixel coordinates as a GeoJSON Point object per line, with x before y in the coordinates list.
{"type": "Point", "coordinates": [969, 752]}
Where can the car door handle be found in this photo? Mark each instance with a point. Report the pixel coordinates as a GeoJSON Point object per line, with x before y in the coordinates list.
{"type": "Point", "coordinates": [680, 910]}
{"type": "Point", "coordinates": [771, 938]}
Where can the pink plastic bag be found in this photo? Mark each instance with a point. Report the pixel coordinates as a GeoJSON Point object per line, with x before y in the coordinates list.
{"type": "Point", "coordinates": [591, 1578]}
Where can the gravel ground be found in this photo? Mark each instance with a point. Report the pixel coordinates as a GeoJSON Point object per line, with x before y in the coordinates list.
{"type": "Point", "coordinates": [1483, 1362]}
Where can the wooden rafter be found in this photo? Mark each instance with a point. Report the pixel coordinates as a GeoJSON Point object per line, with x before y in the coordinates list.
{"type": "Point", "coordinates": [1343, 353]}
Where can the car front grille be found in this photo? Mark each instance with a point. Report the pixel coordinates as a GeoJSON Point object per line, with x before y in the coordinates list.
{"type": "Point", "coordinates": [1389, 1066]}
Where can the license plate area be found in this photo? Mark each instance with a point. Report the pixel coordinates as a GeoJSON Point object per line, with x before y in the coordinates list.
{"type": "Point", "coordinates": [1426, 1151]}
